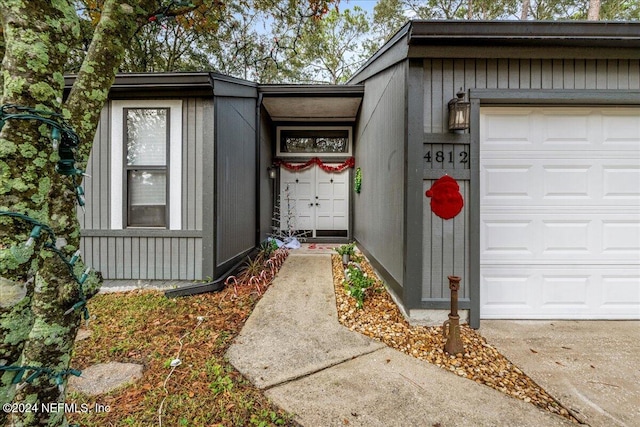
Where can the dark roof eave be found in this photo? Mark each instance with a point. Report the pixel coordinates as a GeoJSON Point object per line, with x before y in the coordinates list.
{"type": "Point", "coordinates": [194, 82]}
{"type": "Point", "coordinates": [558, 33]}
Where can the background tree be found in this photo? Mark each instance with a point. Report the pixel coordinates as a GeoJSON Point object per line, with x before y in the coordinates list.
{"type": "Point", "coordinates": [332, 48]}
{"type": "Point", "coordinates": [390, 15]}
{"type": "Point", "coordinates": [44, 145]}
{"type": "Point", "coordinates": [594, 10]}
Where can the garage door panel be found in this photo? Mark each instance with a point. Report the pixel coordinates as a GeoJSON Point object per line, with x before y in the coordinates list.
{"type": "Point", "coordinates": [540, 129]}
{"type": "Point", "coordinates": [621, 290]}
{"type": "Point", "coordinates": [508, 238]}
{"type": "Point", "coordinates": [562, 130]}
{"type": "Point", "coordinates": [620, 129]}
{"type": "Point", "coordinates": [565, 290]}
{"type": "Point", "coordinates": [508, 127]}
{"type": "Point", "coordinates": [560, 213]}
{"type": "Point", "coordinates": [507, 181]}
{"type": "Point", "coordinates": [568, 237]}
{"type": "Point", "coordinates": [505, 291]}
{"type": "Point", "coordinates": [621, 238]}
{"type": "Point", "coordinates": [553, 182]}
{"type": "Point", "coordinates": [558, 292]}
{"type": "Point", "coordinates": [621, 181]}
{"type": "Point", "coordinates": [566, 181]}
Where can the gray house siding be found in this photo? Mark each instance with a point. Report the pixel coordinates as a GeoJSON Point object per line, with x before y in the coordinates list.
{"type": "Point", "coordinates": [444, 77]}
{"type": "Point", "coordinates": [380, 153]}
{"type": "Point", "coordinates": [446, 248]}
{"type": "Point", "coordinates": [139, 253]}
{"type": "Point", "coordinates": [538, 62]}
{"type": "Point", "coordinates": [235, 165]}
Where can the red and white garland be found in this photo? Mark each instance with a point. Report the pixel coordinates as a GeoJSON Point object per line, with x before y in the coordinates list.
{"type": "Point", "coordinates": [349, 163]}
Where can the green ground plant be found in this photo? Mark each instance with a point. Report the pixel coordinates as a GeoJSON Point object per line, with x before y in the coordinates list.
{"type": "Point", "coordinates": [357, 284]}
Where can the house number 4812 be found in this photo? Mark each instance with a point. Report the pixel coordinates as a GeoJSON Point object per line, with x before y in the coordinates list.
{"type": "Point", "coordinates": [441, 156]}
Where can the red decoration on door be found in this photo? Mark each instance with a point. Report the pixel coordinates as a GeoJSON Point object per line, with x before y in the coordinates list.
{"type": "Point", "coordinates": [349, 163]}
{"type": "Point", "coordinates": [446, 200]}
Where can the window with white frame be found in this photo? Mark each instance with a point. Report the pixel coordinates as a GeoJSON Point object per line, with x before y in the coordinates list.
{"type": "Point", "coordinates": [146, 164]}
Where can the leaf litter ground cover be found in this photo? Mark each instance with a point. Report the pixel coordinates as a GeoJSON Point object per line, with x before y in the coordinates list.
{"type": "Point", "coordinates": [204, 390]}
{"type": "Point", "coordinates": [381, 319]}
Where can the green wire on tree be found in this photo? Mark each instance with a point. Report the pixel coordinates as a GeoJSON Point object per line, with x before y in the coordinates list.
{"type": "Point", "coordinates": [50, 245]}
{"type": "Point", "coordinates": [64, 139]}
{"type": "Point", "coordinates": [38, 371]}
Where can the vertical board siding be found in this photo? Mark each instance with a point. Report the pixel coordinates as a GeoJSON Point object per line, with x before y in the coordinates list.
{"type": "Point", "coordinates": [144, 258]}
{"type": "Point", "coordinates": [192, 142]}
{"type": "Point", "coordinates": [444, 249]}
{"type": "Point", "coordinates": [444, 77]}
{"type": "Point", "coordinates": [379, 152]}
{"type": "Point", "coordinates": [149, 258]}
{"type": "Point", "coordinates": [97, 183]}
{"type": "Point", "coordinates": [235, 177]}
{"type": "Point", "coordinates": [448, 253]}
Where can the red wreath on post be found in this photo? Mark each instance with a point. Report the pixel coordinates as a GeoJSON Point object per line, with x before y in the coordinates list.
{"type": "Point", "coordinates": [446, 200]}
{"type": "Point", "coordinates": [349, 163]}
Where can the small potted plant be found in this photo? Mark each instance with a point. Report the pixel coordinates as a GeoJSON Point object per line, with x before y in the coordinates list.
{"type": "Point", "coordinates": [347, 251]}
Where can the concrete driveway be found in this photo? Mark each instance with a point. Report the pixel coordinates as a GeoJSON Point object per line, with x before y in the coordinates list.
{"type": "Point", "coordinates": [591, 367]}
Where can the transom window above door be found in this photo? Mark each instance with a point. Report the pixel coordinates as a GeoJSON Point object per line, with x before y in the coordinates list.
{"type": "Point", "coordinates": [298, 141]}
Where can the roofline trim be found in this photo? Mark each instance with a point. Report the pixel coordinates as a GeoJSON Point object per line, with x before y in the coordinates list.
{"type": "Point", "coordinates": [422, 30]}
{"type": "Point", "coordinates": [168, 80]}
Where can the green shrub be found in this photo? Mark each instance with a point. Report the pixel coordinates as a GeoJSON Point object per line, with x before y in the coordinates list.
{"type": "Point", "coordinates": [356, 284]}
{"type": "Point", "coordinates": [348, 249]}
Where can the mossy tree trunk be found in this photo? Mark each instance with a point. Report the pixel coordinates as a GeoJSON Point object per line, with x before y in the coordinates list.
{"type": "Point", "coordinates": [36, 285]}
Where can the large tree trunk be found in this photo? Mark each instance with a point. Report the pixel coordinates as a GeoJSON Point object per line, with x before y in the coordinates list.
{"type": "Point", "coordinates": [39, 287]}
{"type": "Point", "coordinates": [594, 10]}
{"type": "Point", "coordinates": [38, 291]}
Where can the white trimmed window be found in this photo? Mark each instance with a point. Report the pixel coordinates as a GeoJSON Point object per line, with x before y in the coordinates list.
{"type": "Point", "coordinates": [146, 163]}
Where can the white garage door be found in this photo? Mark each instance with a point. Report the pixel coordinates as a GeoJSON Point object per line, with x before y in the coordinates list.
{"type": "Point", "coordinates": [560, 213]}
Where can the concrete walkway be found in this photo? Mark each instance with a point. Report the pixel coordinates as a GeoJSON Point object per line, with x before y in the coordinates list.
{"type": "Point", "coordinates": [293, 347]}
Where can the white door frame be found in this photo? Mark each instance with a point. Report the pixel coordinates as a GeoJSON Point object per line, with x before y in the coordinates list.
{"type": "Point", "coordinates": [310, 191]}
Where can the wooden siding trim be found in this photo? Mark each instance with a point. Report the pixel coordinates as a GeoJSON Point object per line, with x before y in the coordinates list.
{"type": "Point", "coordinates": [556, 96]}
{"type": "Point", "coordinates": [446, 138]}
{"type": "Point", "coordinates": [141, 232]}
{"type": "Point", "coordinates": [474, 217]}
{"type": "Point", "coordinates": [208, 251]}
{"type": "Point", "coordinates": [413, 212]}
{"type": "Point", "coordinates": [521, 52]}
{"type": "Point", "coordinates": [445, 304]}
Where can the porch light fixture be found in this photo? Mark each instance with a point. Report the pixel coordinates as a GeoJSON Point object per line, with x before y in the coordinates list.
{"type": "Point", "coordinates": [272, 172]}
{"type": "Point", "coordinates": [459, 112]}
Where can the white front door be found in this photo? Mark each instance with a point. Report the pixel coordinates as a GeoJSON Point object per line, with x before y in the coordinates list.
{"type": "Point", "coordinates": [560, 213]}
{"type": "Point", "coordinates": [314, 201]}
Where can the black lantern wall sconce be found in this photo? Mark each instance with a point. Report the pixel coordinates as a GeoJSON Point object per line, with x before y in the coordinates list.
{"type": "Point", "coordinates": [273, 171]}
{"type": "Point", "coordinates": [459, 112]}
